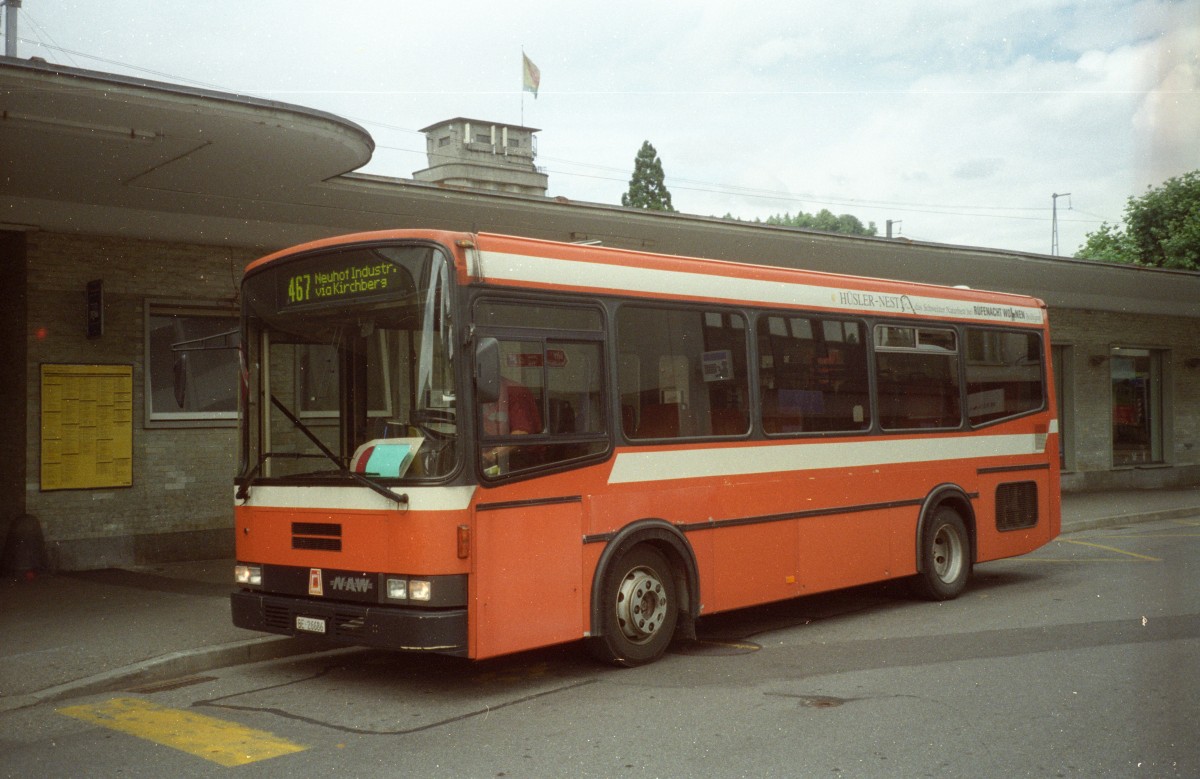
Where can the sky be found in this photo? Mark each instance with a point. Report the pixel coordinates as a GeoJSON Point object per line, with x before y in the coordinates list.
{"type": "Point", "coordinates": [958, 120]}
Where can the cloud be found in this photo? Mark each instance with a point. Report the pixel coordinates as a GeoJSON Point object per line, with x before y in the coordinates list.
{"type": "Point", "coordinates": [959, 118]}
{"type": "Point", "coordinates": [979, 168]}
{"type": "Point", "coordinates": [1167, 120]}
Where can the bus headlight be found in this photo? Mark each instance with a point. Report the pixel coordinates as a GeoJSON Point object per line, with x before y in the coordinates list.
{"type": "Point", "coordinates": [397, 589]}
{"type": "Point", "coordinates": [420, 590]}
{"type": "Point", "coordinates": [404, 589]}
{"type": "Point", "coordinates": [249, 575]}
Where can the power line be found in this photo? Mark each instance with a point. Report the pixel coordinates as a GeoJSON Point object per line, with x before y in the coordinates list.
{"type": "Point", "coordinates": [41, 31]}
{"type": "Point", "coordinates": [127, 66]}
{"type": "Point", "coordinates": [620, 175]}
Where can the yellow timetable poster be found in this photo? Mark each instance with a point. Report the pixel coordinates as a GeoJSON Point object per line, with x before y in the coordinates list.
{"type": "Point", "coordinates": [87, 426]}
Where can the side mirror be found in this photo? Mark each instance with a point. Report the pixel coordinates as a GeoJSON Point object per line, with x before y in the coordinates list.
{"type": "Point", "coordinates": [487, 371]}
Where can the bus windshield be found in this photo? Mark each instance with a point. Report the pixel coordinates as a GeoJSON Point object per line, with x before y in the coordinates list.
{"type": "Point", "coordinates": [344, 351]}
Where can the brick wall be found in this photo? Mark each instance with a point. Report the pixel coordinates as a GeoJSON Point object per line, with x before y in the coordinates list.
{"type": "Point", "coordinates": [180, 504]}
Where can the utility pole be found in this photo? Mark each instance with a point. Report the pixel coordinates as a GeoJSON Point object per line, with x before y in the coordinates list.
{"type": "Point", "coordinates": [10, 27]}
{"type": "Point", "coordinates": [1054, 220]}
{"type": "Point", "coordinates": [891, 222]}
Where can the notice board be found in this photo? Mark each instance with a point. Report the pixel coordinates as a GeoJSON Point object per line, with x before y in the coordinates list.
{"type": "Point", "coordinates": [87, 426]}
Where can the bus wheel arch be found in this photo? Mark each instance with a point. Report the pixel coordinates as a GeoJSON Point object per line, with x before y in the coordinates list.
{"type": "Point", "coordinates": [653, 562]}
{"type": "Point", "coordinates": [945, 544]}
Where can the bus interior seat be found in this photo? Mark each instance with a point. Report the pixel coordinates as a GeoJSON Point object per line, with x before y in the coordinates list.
{"type": "Point", "coordinates": [659, 420]}
{"type": "Point", "coordinates": [562, 416]}
{"type": "Point", "coordinates": [729, 421]}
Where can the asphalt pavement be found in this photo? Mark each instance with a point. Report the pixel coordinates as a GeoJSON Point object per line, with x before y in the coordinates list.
{"type": "Point", "coordinates": [77, 633]}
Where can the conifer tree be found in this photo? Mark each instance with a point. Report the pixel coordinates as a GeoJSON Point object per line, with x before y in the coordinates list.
{"type": "Point", "coordinates": [646, 187]}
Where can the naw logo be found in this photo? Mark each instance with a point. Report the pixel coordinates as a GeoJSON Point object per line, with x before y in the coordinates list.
{"type": "Point", "coordinates": [315, 587]}
{"type": "Point", "coordinates": [359, 584]}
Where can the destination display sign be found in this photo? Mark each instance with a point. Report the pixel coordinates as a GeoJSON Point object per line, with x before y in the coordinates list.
{"type": "Point", "coordinates": [340, 278]}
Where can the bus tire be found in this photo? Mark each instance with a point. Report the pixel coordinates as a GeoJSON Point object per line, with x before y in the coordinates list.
{"type": "Point", "coordinates": [945, 557]}
{"type": "Point", "coordinates": [640, 609]}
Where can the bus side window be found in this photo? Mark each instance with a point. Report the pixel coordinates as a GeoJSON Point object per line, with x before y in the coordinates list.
{"type": "Point", "coordinates": [682, 373]}
{"type": "Point", "coordinates": [917, 370]}
{"type": "Point", "coordinates": [550, 408]}
{"type": "Point", "coordinates": [629, 383]}
{"type": "Point", "coordinates": [1004, 374]}
{"type": "Point", "coordinates": [813, 374]}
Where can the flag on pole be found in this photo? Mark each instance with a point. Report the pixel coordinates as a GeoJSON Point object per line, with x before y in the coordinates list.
{"type": "Point", "coordinates": [530, 75]}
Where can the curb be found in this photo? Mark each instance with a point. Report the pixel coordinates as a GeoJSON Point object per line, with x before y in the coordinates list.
{"type": "Point", "coordinates": [171, 666]}
{"type": "Point", "coordinates": [1129, 519]}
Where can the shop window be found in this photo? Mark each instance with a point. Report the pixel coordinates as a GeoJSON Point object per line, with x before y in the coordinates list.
{"type": "Point", "coordinates": [1136, 406]}
{"type": "Point", "coordinates": [191, 364]}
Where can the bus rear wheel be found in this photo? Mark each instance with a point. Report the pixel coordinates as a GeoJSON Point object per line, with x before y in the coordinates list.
{"type": "Point", "coordinates": [639, 609]}
{"type": "Point", "coordinates": [945, 552]}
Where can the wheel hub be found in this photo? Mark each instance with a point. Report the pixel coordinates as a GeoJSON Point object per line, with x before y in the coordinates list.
{"type": "Point", "coordinates": [947, 554]}
{"type": "Point", "coordinates": [641, 605]}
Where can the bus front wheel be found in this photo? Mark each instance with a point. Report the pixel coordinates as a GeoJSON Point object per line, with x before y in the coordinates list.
{"type": "Point", "coordinates": [639, 609]}
{"type": "Point", "coordinates": [945, 551]}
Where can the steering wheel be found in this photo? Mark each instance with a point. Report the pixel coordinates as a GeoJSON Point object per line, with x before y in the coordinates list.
{"type": "Point", "coordinates": [425, 419]}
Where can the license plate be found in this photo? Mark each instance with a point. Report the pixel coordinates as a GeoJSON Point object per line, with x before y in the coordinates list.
{"type": "Point", "coordinates": [310, 625]}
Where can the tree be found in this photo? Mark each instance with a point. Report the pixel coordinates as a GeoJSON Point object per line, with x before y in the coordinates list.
{"type": "Point", "coordinates": [824, 219]}
{"type": "Point", "coordinates": [646, 187]}
{"type": "Point", "coordinates": [1162, 228]}
{"type": "Point", "coordinates": [846, 224]}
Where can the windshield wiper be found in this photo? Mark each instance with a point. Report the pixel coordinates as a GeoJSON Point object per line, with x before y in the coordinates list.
{"type": "Point", "coordinates": [401, 499]}
{"type": "Point", "coordinates": [243, 490]}
{"type": "Point", "coordinates": [303, 428]}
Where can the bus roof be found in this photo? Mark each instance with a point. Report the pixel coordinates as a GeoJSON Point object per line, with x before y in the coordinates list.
{"type": "Point", "coordinates": [511, 261]}
{"type": "Point", "coordinates": [533, 263]}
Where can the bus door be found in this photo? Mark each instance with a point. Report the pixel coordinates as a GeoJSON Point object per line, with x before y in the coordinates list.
{"type": "Point", "coordinates": [540, 419]}
{"type": "Point", "coordinates": [526, 586]}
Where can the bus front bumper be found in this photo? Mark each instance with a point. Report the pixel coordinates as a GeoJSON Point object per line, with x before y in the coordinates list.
{"type": "Point", "coordinates": [442, 631]}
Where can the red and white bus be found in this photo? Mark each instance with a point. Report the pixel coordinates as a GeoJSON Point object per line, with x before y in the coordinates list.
{"type": "Point", "coordinates": [476, 444]}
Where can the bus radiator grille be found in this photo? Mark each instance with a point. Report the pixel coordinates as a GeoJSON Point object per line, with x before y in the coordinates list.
{"type": "Point", "coordinates": [277, 617]}
{"type": "Point", "coordinates": [317, 536]}
{"type": "Point", "coordinates": [1016, 505]}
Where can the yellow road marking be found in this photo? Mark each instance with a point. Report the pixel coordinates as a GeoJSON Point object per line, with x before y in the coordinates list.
{"type": "Point", "coordinates": [1072, 560]}
{"type": "Point", "coordinates": [222, 742]}
{"type": "Point", "coordinates": [1156, 535]}
{"type": "Point", "coordinates": [1112, 549]}
{"type": "Point", "coordinates": [730, 644]}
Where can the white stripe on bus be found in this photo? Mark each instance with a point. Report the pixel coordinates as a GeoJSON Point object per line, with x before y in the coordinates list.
{"type": "Point", "coordinates": [359, 498]}
{"type": "Point", "coordinates": [501, 266]}
{"type": "Point", "coordinates": [651, 466]}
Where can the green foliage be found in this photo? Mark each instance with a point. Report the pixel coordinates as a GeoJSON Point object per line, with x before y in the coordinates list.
{"type": "Point", "coordinates": [846, 224]}
{"type": "Point", "coordinates": [1162, 228]}
{"type": "Point", "coordinates": [1108, 244]}
{"type": "Point", "coordinates": [646, 187]}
